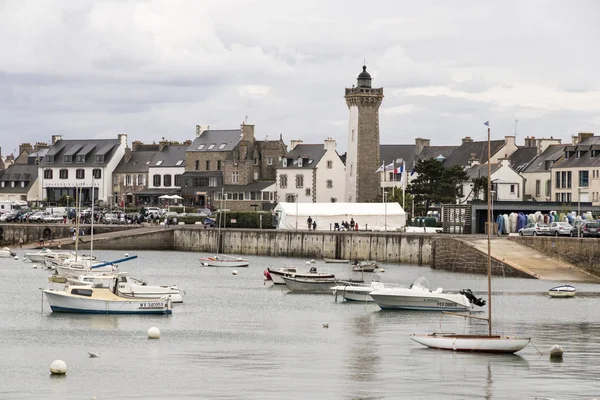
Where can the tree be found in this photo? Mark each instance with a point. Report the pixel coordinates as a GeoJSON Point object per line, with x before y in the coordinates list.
{"type": "Point", "coordinates": [480, 184]}
{"type": "Point", "coordinates": [435, 183]}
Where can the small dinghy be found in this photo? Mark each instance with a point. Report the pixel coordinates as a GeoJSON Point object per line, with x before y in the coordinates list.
{"type": "Point", "coordinates": [562, 291]}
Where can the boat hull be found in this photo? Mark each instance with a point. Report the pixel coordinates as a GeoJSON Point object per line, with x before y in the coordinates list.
{"type": "Point", "coordinates": [335, 261]}
{"type": "Point", "coordinates": [277, 276]}
{"type": "Point", "coordinates": [209, 262]}
{"type": "Point", "coordinates": [561, 294]}
{"type": "Point", "coordinates": [421, 302]}
{"type": "Point", "coordinates": [353, 293]}
{"type": "Point", "coordinates": [62, 302]}
{"type": "Point", "coordinates": [36, 258]}
{"type": "Point", "coordinates": [309, 285]}
{"type": "Point", "coordinates": [562, 291]}
{"type": "Point", "coordinates": [472, 343]}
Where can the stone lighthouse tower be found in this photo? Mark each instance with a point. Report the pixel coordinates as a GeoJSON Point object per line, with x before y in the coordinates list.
{"type": "Point", "coordinates": [362, 157]}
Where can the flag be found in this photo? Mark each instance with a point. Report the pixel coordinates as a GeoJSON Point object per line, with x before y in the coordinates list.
{"type": "Point", "coordinates": [380, 169]}
{"type": "Point", "coordinates": [487, 123]}
{"type": "Point", "coordinates": [412, 172]}
{"type": "Point", "coordinates": [399, 170]}
{"type": "Point", "coordinates": [402, 181]}
{"type": "Point", "coordinates": [389, 167]}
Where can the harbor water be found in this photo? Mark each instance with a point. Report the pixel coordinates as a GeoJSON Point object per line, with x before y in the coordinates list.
{"type": "Point", "coordinates": [236, 338]}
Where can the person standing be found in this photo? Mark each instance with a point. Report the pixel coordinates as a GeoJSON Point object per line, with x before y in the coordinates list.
{"type": "Point", "coordinates": [314, 225]}
{"type": "Point", "coordinates": [309, 221]}
{"type": "Point", "coordinates": [20, 243]}
{"type": "Point", "coordinates": [351, 224]}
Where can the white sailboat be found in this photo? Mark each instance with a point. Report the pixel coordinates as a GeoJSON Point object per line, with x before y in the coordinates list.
{"type": "Point", "coordinates": [489, 343]}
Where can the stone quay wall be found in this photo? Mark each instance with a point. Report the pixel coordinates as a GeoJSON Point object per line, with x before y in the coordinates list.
{"type": "Point", "coordinates": [11, 233]}
{"type": "Point", "coordinates": [584, 253]}
{"type": "Point", "coordinates": [161, 239]}
{"type": "Point", "coordinates": [454, 254]}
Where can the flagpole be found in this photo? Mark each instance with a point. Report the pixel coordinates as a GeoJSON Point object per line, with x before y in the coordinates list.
{"type": "Point", "coordinates": [403, 180]}
{"type": "Point", "coordinates": [393, 177]}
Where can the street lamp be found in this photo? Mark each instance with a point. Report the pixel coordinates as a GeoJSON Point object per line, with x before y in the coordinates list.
{"type": "Point", "coordinates": [296, 200]}
{"type": "Point", "coordinates": [385, 209]}
{"type": "Point", "coordinates": [579, 211]}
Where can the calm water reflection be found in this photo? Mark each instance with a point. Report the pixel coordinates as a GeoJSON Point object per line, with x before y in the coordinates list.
{"type": "Point", "coordinates": [235, 338]}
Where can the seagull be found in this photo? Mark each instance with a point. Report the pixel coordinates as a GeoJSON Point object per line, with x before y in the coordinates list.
{"type": "Point", "coordinates": [325, 325]}
{"type": "Point", "coordinates": [94, 354]}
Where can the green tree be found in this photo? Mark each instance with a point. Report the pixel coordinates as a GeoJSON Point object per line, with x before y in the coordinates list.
{"type": "Point", "coordinates": [480, 185]}
{"type": "Point", "coordinates": [436, 184]}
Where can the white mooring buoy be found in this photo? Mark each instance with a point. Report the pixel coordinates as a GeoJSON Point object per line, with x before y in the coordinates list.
{"type": "Point", "coordinates": [126, 254]}
{"type": "Point", "coordinates": [17, 258]}
{"type": "Point", "coordinates": [153, 333]}
{"type": "Point", "coordinates": [556, 352]}
{"type": "Point", "coordinates": [58, 367]}
{"type": "Point", "coordinates": [234, 272]}
{"type": "Point", "coordinates": [34, 266]}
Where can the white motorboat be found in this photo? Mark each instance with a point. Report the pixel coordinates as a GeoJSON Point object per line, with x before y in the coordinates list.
{"type": "Point", "coordinates": [101, 300]}
{"type": "Point", "coordinates": [6, 253]}
{"type": "Point", "coordinates": [276, 275]}
{"type": "Point", "coordinates": [418, 296]}
{"type": "Point", "coordinates": [310, 285]}
{"type": "Point", "coordinates": [38, 256]}
{"type": "Point", "coordinates": [335, 261]}
{"type": "Point", "coordinates": [489, 343]}
{"type": "Point", "coordinates": [562, 291]}
{"type": "Point", "coordinates": [365, 266]}
{"type": "Point", "coordinates": [224, 261]}
{"type": "Point", "coordinates": [57, 257]}
{"type": "Point", "coordinates": [71, 267]}
{"type": "Point", "coordinates": [353, 291]}
{"type": "Point", "coordinates": [129, 286]}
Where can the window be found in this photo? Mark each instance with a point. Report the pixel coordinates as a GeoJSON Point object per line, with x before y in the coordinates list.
{"type": "Point", "coordinates": [201, 146]}
{"type": "Point", "coordinates": [212, 146]}
{"type": "Point", "coordinates": [329, 183]}
{"type": "Point", "coordinates": [178, 180]}
{"type": "Point", "coordinates": [548, 185]}
{"type": "Point", "coordinates": [82, 292]}
{"type": "Point", "coordinates": [156, 180]}
{"type": "Point", "coordinates": [219, 166]}
{"type": "Point", "coordinates": [557, 185]}
{"type": "Point", "coordinates": [256, 161]}
{"type": "Point", "coordinates": [159, 162]}
{"type": "Point", "coordinates": [99, 158]}
{"type": "Point", "coordinates": [333, 200]}
{"type": "Point", "coordinates": [578, 154]}
{"type": "Point", "coordinates": [255, 175]}
{"type": "Point", "coordinates": [329, 164]}
{"type": "Point", "coordinates": [584, 177]}
{"type": "Point", "coordinates": [97, 173]}
{"type": "Point", "coordinates": [80, 158]}
{"type": "Point", "coordinates": [538, 186]}
{"type": "Point", "coordinates": [269, 160]}
{"type": "Point", "coordinates": [284, 162]}
{"type": "Point", "coordinates": [283, 181]}
{"type": "Point", "coordinates": [299, 162]}
{"type": "Point", "coordinates": [167, 180]}
{"type": "Point", "coordinates": [212, 181]}
{"type": "Point", "coordinates": [141, 179]}
{"type": "Point", "coordinates": [569, 179]}
{"type": "Point", "coordinates": [569, 197]}
{"type": "Point", "coordinates": [512, 189]}
{"type": "Point", "coordinates": [80, 173]}
{"type": "Point", "coordinates": [197, 165]}
{"type": "Point", "coordinates": [353, 135]}
{"type": "Point", "coordinates": [222, 146]}
{"type": "Point", "coordinates": [235, 177]}
{"type": "Point", "coordinates": [50, 159]}
{"type": "Point", "coordinates": [563, 177]}
{"type": "Point", "coordinates": [299, 181]}
{"type": "Point", "coordinates": [351, 169]}
{"type": "Point", "coordinates": [307, 191]}
{"type": "Point", "coordinates": [557, 197]}
{"type": "Point", "coordinates": [47, 174]}
{"type": "Point", "coordinates": [63, 174]}
{"type": "Point", "coordinates": [127, 180]}
{"type": "Point", "coordinates": [208, 165]}
{"type": "Point", "coordinates": [179, 162]}
{"type": "Point", "coordinates": [68, 158]}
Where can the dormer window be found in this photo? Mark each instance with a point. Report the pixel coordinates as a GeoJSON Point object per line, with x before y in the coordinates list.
{"type": "Point", "coordinates": [99, 158]}
{"type": "Point", "coordinates": [80, 158]}
{"type": "Point", "coordinates": [567, 155]}
{"type": "Point", "coordinates": [212, 146]}
{"type": "Point", "coordinates": [159, 162]}
{"type": "Point", "coordinates": [222, 146]}
{"type": "Point", "coordinates": [68, 159]}
{"type": "Point", "coordinates": [310, 162]}
{"type": "Point", "coordinates": [299, 162]}
{"type": "Point", "coordinates": [50, 159]}
{"type": "Point", "coordinates": [284, 162]}
{"type": "Point", "coordinates": [178, 163]}
{"type": "Point", "coordinates": [201, 147]}
{"type": "Point", "coordinates": [578, 153]}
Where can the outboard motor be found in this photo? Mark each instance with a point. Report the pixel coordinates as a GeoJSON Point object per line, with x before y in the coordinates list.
{"type": "Point", "coordinates": [472, 299]}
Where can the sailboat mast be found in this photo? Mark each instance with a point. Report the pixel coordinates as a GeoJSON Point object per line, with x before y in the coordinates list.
{"type": "Point", "coordinates": [489, 231]}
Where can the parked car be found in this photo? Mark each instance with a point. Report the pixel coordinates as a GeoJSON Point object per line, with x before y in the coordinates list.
{"type": "Point", "coordinates": [37, 217]}
{"type": "Point", "coordinates": [7, 217]}
{"type": "Point", "coordinates": [534, 229]}
{"type": "Point", "coordinates": [586, 229]}
{"type": "Point", "coordinates": [204, 212]}
{"type": "Point", "coordinates": [52, 219]}
{"type": "Point", "coordinates": [560, 228]}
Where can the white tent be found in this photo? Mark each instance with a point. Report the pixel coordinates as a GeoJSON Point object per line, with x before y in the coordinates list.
{"type": "Point", "coordinates": [371, 216]}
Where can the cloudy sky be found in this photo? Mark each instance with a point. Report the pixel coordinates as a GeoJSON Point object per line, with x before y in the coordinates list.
{"type": "Point", "coordinates": [157, 68]}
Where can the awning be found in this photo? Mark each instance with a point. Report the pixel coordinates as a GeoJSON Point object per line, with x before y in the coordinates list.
{"type": "Point", "coordinates": [158, 192]}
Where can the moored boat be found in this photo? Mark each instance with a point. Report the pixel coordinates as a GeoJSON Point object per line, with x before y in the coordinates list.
{"type": "Point", "coordinates": [6, 253]}
{"type": "Point", "coordinates": [224, 261]}
{"type": "Point", "coordinates": [562, 291]}
{"type": "Point", "coordinates": [335, 261]}
{"type": "Point", "coordinates": [310, 285]}
{"type": "Point", "coordinates": [353, 291]}
{"type": "Point", "coordinates": [472, 343]}
{"type": "Point", "coordinates": [38, 256]}
{"type": "Point", "coordinates": [277, 274]}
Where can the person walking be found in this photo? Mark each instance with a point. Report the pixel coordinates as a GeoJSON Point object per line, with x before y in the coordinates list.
{"type": "Point", "coordinates": [309, 222]}
{"type": "Point", "coordinates": [314, 225]}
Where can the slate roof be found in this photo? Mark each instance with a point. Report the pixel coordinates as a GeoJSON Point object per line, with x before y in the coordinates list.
{"type": "Point", "coordinates": [19, 173]}
{"type": "Point", "coordinates": [585, 160]}
{"type": "Point", "coordinates": [435, 151]}
{"type": "Point", "coordinates": [230, 138]}
{"type": "Point", "coordinates": [389, 153]}
{"type": "Point", "coordinates": [307, 152]}
{"type": "Point", "coordinates": [463, 153]}
{"type": "Point", "coordinates": [170, 156]}
{"type": "Point", "coordinates": [479, 170]}
{"type": "Point", "coordinates": [91, 146]}
{"type": "Point", "coordinates": [520, 159]}
{"type": "Point", "coordinates": [139, 162]}
{"type": "Point", "coordinates": [552, 153]}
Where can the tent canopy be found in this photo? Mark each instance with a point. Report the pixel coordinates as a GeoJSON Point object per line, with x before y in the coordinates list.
{"type": "Point", "coordinates": [371, 216]}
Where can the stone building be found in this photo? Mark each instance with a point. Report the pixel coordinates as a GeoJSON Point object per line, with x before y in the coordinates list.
{"type": "Point", "coordinates": [130, 178]}
{"type": "Point", "coordinates": [362, 157]}
{"type": "Point", "coordinates": [232, 167]}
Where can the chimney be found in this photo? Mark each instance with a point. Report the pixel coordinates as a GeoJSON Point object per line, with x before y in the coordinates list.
{"type": "Point", "coordinates": [163, 145]}
{"type": "Point", "coordinates": [136, 144]}
{"type": "Point", "coordinates": [543, 144]}
{"type": "Point", "coordinates": [122, 139]}
{"type": "Point", "coordinates": [467, 139]}
{"type": "Point", "coordinates": [247, 132]}
{"type": "Point", "coordinates": [40, 145]}
{"type": "Point", "coordinates": [420, 143]}
{"type": "Point", "coordinates": [201, 129]}
{"type": "Point", "coordinates": [329, 144]}
{"type": "Point", "coordinates": [530, 141]}
{"type": "Point", "coordinates": [581, 136]}
{"type": "Point", "coordinates": [473, 160]}
{"type": "Point", "coordinates": [188, 142]}
{"type": "Point", "coordinates": [294, 143]}
{"type": "Point", "coordinates": [127, 155]}
{"type": "Point", "coordinates": [504, 162]}
{"type": "Point", "coordinates": [510, 141]}
{"type": "Point", "coordinates": [25, 147]}
{"type": "Point", "coordinates": [56, 138]}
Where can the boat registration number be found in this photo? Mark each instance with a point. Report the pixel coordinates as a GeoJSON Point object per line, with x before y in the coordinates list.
{"type": "Point", "coordinates": [444, 304]}
{"type": "Point", "coordinates": [156, 304]}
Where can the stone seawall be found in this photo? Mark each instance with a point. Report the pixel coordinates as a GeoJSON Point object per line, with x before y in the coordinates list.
{"type": "Point", "coordinates": [453, 254]}
{"type": "Point", "coordinates": [140, 239]}
{"type": "Point", "coordinates": [583, 252]}
{"type": "Point", "coordinates": [390, 247]}
{"type": "Point", "coordinates": [11, 233]}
